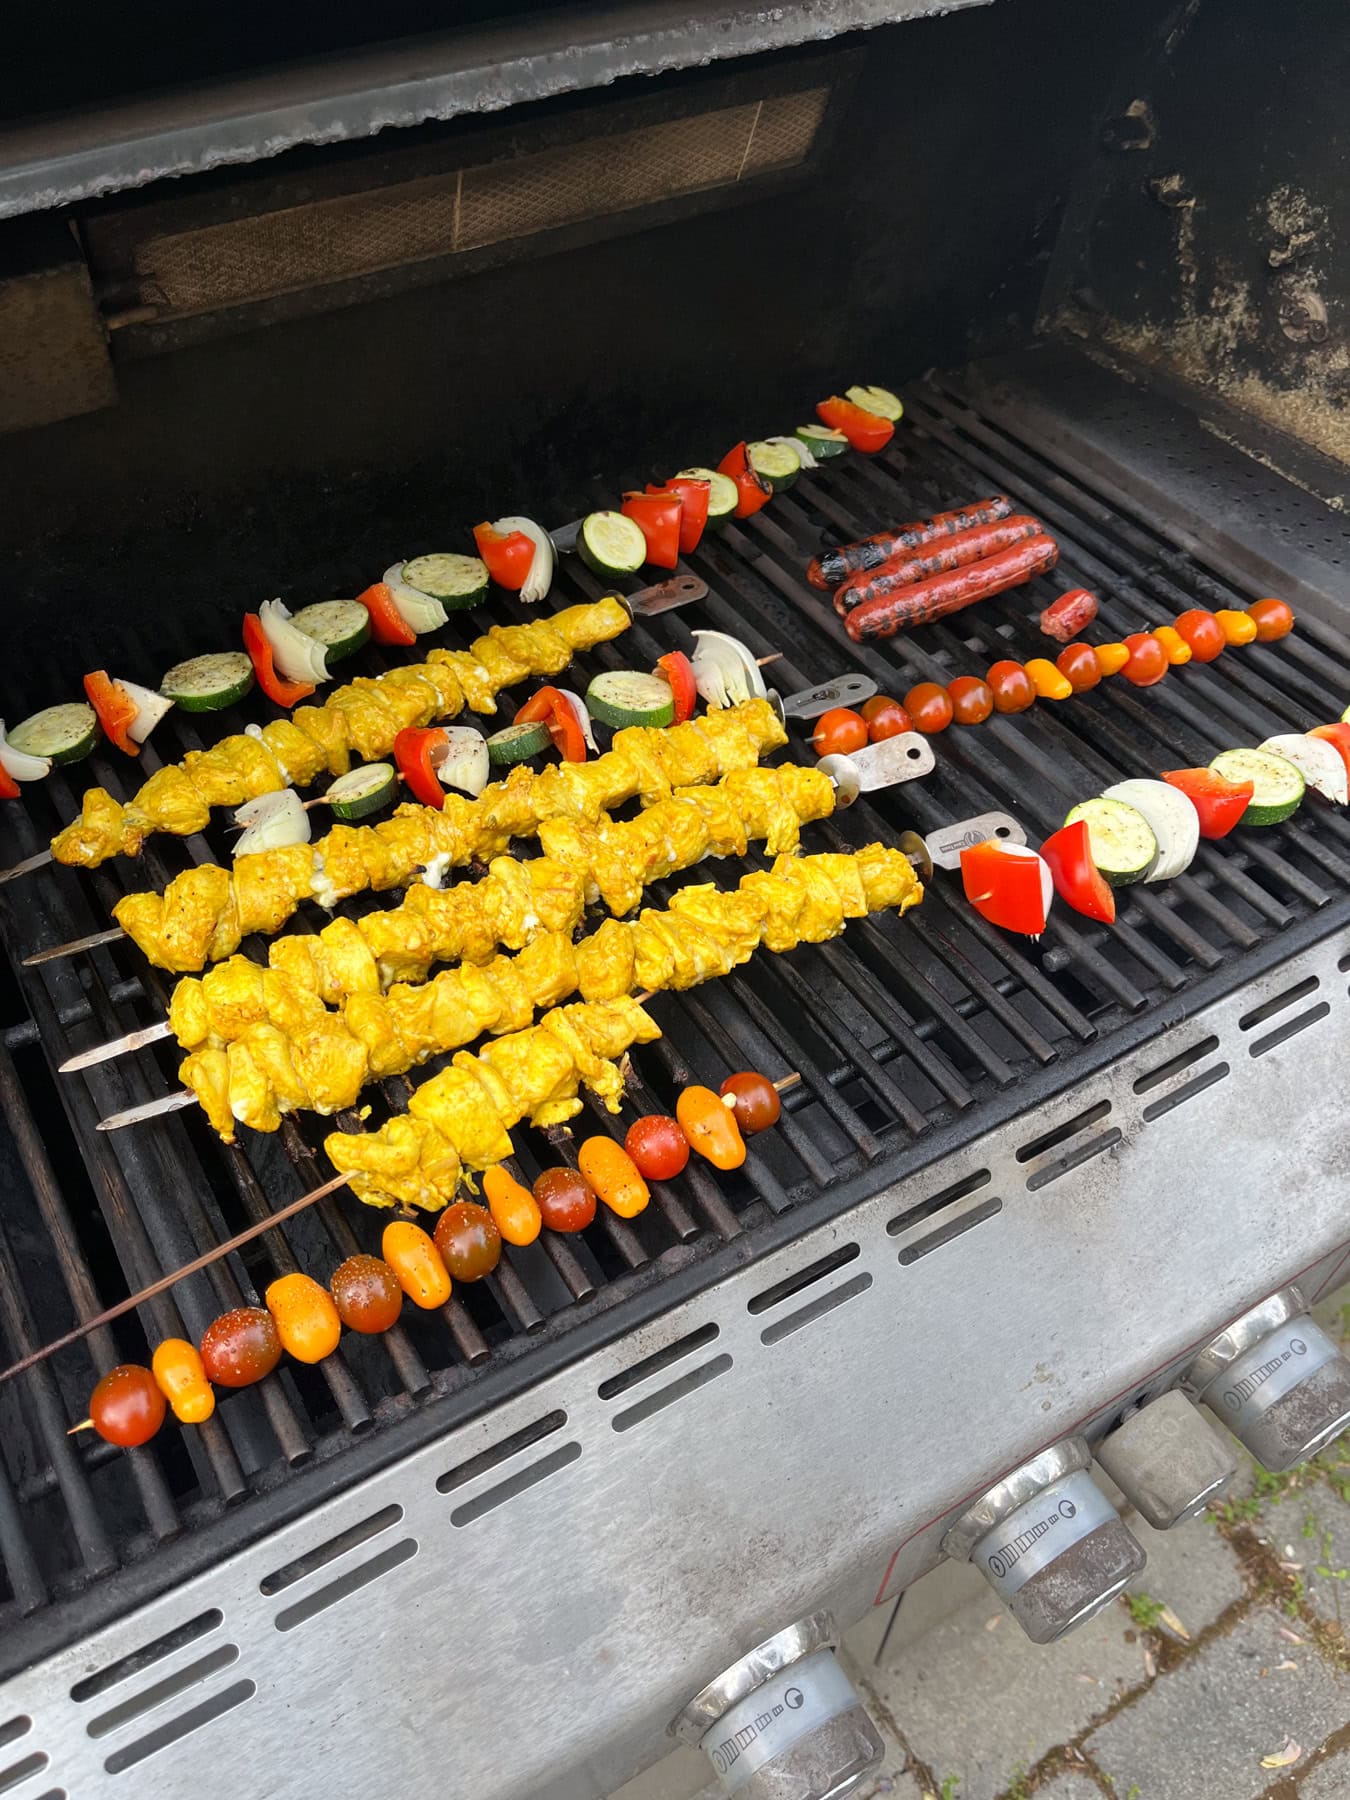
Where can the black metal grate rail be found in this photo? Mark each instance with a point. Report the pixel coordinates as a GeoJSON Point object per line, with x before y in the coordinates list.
{"type": "Point", "coordinates": [907, 1035]}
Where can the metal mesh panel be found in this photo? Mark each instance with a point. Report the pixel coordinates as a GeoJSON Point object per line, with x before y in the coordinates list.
{"type": "Point", "coordinates": [334, 240]}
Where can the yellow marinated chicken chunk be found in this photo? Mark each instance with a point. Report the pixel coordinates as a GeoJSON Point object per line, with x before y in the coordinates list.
{"type": "Point", "coordinates": [234, 770]}
{"type": "Point", "coordinates": [298, 756]}
{"type": "Point", "coordinates": [404, 1163]}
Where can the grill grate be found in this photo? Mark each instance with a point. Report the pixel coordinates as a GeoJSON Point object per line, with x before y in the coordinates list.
{"type": "Point", "coordinates": [907, 1035]}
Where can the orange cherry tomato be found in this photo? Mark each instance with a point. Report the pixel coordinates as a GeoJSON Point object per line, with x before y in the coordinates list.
{"type": "Point", "coordinates": [614, 1175]}
{"type": "Point", "coordinates": [972, 699]}
{"type": "Point", "coordinates": [1237, 627]}
{"type": "Point", "coordinates": [240, 1347]}
{"type": "Point", "coordinates": [886, 718]}
{"type": "Point", "coordinates": [930, 707]}
{"type": "Point", "coordinates": [468, 1240]}
{"type": "Point", "coordinates": [1201, 631]}
{"type": "Point", "coordinates": [1012, 687]}
{"type": "Point", "coordinates": [127, 1407]}
{"type": "Point", "coordinates": [710, 1127]}
{"type": "Point", "coordinates": [1148, 659]}
{"type": "Point", "coordinates": [754, 1100]}
{"type": "Point", "coordinates": [514, 1209]}
{"type": "Point", "coordinates": [417, 1264]}
{"type": "Point", "coordinates": [1077, 663]}
{"type": "Point", "coordinates": [307, 1320]}
{"type": "Point", "coordinates": [1175, 648]}
{"type": "Point", "coordinates": [566, 1198]}
{"type": "Point", "coordinates": [180, 1377]}
{"type": "Point", "coordinates": [1049, 682]}
{"type": "Point", "coordinates": [1111, 658]}
{"type": "Point", "coordinates": [367, 1295]}
{"type": "Point", "coordinates": [838, 731]}
{"type": "Point", "coordinates": [658, 1146]}
{"type": "Point", "coordinates": [1273, 620]}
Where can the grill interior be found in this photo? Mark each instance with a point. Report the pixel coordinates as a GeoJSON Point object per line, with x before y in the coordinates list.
{"type": "Point", "coordinates": [909, 1035]}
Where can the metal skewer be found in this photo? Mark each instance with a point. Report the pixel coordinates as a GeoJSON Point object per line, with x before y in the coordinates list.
{"type": "Point", "coordinates": [148, 1109]}
{"type": "Point", "coordinates": [37, 861]}
{"type": "Point", "coordinates": [55, 952]}
{"type": "Point", "coordinates": [134, 1040]}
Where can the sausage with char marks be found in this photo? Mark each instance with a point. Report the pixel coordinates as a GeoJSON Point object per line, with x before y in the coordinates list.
{"type": "Point", "coordinates": [831, 567]}
{"type": "Point", "coordinates": [922, 602]}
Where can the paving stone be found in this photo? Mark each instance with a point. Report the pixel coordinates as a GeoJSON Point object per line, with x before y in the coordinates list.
{"type": "Point", "coordinates": [1071, 1787]}
{"type": "Point", "coordinates": [1329, 1780]}
{"type": "Point", "coordinates": [1191, 1569]}
{"type": "Point", "coordinates": [981, 1703]}
{"type": "Point", "coordinates": [1312, 1526]}
{"type": "Point", "coordinates": [1201, 1731]}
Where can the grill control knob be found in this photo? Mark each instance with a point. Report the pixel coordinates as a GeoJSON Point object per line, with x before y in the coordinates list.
{"type": "Point", "coordinates": [1049, 1542]}
{"type": "Point", "coordinates": [1276, 1380]}
{"type": "Point", "coordinates": [1167, 1460]}
{"type": "Point", "coordinates": [785, 1722]}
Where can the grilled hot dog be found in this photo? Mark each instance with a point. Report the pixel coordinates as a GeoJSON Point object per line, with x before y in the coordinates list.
{"type": "Point", "coordinates": [1073, 612]}
{"type": "Point", "coordinates": [833, 566]}
{"type": "Point", "coordinates": [921, 602]}
{"type": "Point", "coordinates": [951, 553]}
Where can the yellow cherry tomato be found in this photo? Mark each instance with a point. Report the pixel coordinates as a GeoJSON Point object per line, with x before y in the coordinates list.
{"type": "Point", "coordinates": [1175, 647]}
{"type": "Point", "coordinates": [1111, 658]}
{"type": "Point", "coordinates": [420, 1268]}
{"type": "Point", "coordinates": [180, 1377]}
{"type": "Point", "coordinates": [306, 1318]}
{"type": "Point", "coordinates": [1049, 682]}
{"type": "Point", "coordinates": [711, 1127]}
{"type": "Point", "coordinates": [614, 1175]}
{"type": "Point", "coordinates": [514, 1209]}
{"type": "Point", "coordinates": [1237, 627]}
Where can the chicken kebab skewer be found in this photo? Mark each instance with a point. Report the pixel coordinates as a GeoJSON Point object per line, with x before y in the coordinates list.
{"type": "Point", "coordinates": [361, 719]}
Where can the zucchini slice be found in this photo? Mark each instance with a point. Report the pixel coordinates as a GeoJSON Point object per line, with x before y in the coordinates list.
{"type": "Point", "coordinates": [341, 626]}
{"type": "Point", "coordinates": [779, 464]}
{"type": "Point", "coordinates": [207, 683]}
{"type": "Point", "coordinates": [878, 400]}
{"type": "Point", "coordinates": [63, 734]}
{"type": "Point", "coordinates": [1121, 840]}
{"type": "Point", "coordinates": [611, 544]}
{"type": "Point", "coordinates": [517, 743]}
{"type": "Point", "coordinates": [823, 441]}
{"type": "Point", "coordinates": [626, 698]}
{"type": "Point", "coordinates": [1277, 786]}
{"type": "Point", "coordinates": [456, 581]}
{"type": "Point", "coordinates": [722, 496]}
{"type": "Point", "coordinates": [1171, 818]}
{"type": "Point", "coordinates": [362, 791]}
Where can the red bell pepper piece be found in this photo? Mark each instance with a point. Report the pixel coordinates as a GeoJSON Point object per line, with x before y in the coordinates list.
{"type": "Point", "coordinates": [1339, 737]}
{"type": "Point", "coordinates": [1075, 875]}
{"type": "Point", "coordinates": [270, 679]}
{"type": "Point", "coordinates": [657, 516]}
{"type": "Point", "coordinates": [415, 751]}
{"type": "Point", "coordinates": [114, 708]}
{"type": "Point", "coordinates": [676, 668]}
{"type": "Point", "coordinates": [9, 788]}
{"type": "Point", "coordinates": [865, 431]}
{"type": "Point", "coordinates": [696, 496]}
{"type": "Point", "coordinates": [508, 555]}
{"type": "Point", "coordinates": [387, 624]}
{"type": "Point", "coordinates": [753, 489]}
{"type": "Point", "coordinates": [1009, 885]}
{"type": "Point", "coordinates": [557, 713]}
{"type": "Point", "coordinates": [1220, 803]}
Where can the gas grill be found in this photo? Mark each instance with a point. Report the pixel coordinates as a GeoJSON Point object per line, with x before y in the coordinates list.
{"type": "Point", "coordinates": [1019, 1185]}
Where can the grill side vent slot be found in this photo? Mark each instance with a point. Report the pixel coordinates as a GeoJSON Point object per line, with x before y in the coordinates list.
{"type": "Point", "coordinates": [1037, 1146]}
{"type": "Point", "coordinates": [1290, 1028]}
{"type": "Point", "coordinates": [32, 1764]}
{"type": "Point", "coordinates": [13, 1729]}
{"type": "Point", "coordinates": [1268, 1008]}
{"type": "Point", "coordinates": [500, 1452]}
{"type": "Point", "coordinates": [1175, 1065]}
{"type": "Point", "coordinates": [1167, 1103]}
{"type": "Point", "coordinates": [191, 1675]}
{"type": "Point", "coordinates": [658, 1360]}
{"type": "Point", "coordinates": [954, 1226]}
{"type": "Point", "coordinates": [155, 1651]}
{"type": "Point", "coordinates": [816, 1309]}
{"type": "Point", "coordinates": [349, 1582]}
{"type": "Point", "coordinates": [174, 1729]}
{"type": "Point", "coordinates": [676, 1390]}
{"type": "Point", "coordinates": [802, 1278]}
{"type": "Point", "coordinates": [1073, 1159]}
{"type": "Point", "coordinates": [948, 1196]}
{"type": "Point", "coordinates": [330, 1550]}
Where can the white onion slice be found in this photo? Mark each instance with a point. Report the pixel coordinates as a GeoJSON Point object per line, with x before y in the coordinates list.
{"type": "Point", "coordinates": [465, 762]}
{"type": "Point", "coordinates": [1319, 763]}
{"type": "Point", "coordinates": [419, 612]}
{"type": "Point", "coordinates": [273, 821]}
{"type": "Point", "coordinates": [150, 709]}
{"type": "Point", "coordinates": [19, 765]}
{"type": "Point", "coordinates": [298, 657]}
{"type": "Point", "coordinates": [798, 448]}
{"type": "Point", "coordinates": [1170, 816]}
{"type": "Point", "coordinates": [578, 705]}
{"type": "Point", "coordinates": [731, 673]}
{"type": "Point", "coordinates": [540, 578]}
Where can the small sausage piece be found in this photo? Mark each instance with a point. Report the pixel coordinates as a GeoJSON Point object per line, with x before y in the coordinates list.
{"type": "Point", "coordinates": [827, 570]}
{"type": "Point", "coordinates": [951, 553]}
{"type": "Point", "coordinates": [942, 595]}
{"type": "Point", "coordinates": [1066, 617]}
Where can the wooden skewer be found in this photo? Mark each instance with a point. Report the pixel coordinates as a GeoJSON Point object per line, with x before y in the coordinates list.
{"type": "Point", "coordinates": [167, 1281]}
{"type": "Point", "coordinates": [787, 1081]}
{"type": "Point", "coordinates": [148, 1109]}
{"type": "Point", "coordinates": [134, 1040]}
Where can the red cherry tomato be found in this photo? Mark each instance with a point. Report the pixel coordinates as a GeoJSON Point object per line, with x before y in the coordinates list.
{"type": "Point", "coordinates": [366, 1293]}
{"type": "Point", "coordinates": [658, 1146]}
{"type": "Point", "coordinates": [930, 708]}
{"type": "Point", "coordinates": [972, 699]}
{"type": "Point", "coordinates": [1273, 619]}
{"type": "Point", "coordinates": [838, 731]}
{"type": "Point", "coordinates": [127, 1407]}
{"type": "Point", "coordinates": [1148, 660]}
{"type": "Point", "coordinates": [1202, 631]}
{"type": "Point", "coordinates": [886, 718]}
{"type": "Point", "coordinates": [468, 1240]}
{"type": "Point", "coordinates": [240, 1347]}
{"type": "Point", "coordinates": [1013, 688]}
{"type": "Point", "coordinates": [565, 1198]}
{"type": "Point", "coordinates": [1078, 664]}
{"type": "Point", "coordinates": [754, 1101]}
